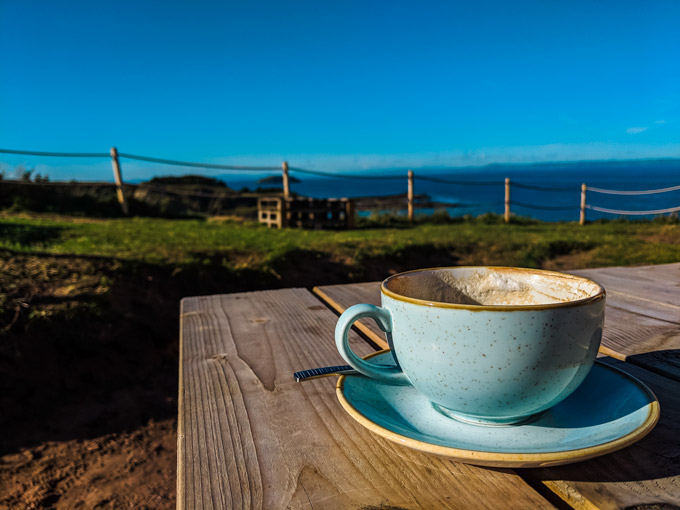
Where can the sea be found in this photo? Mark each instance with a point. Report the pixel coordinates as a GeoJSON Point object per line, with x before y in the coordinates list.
{"type": "Point", "coordinates": [478, 190]}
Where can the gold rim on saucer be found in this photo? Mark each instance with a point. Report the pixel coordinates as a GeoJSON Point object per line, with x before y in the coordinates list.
{"type": "Point", "coordinates": [502, 459]}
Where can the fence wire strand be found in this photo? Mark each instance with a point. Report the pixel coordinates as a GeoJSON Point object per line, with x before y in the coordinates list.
{"type": "Point", "coordinates": [61, 183]}
{"type": "Point", "coordinates": [187, 193]}
{"type": "Point", "coordinates": [540, 188]}
{"type": "Point", "coordinates": [58, 154]}
{"type": "Point", "coordinates": [343, 176]}
{"type": "Point", "coordinates": [641, 192]}
{"type": "Point", "coordinates": [197, 165]}
{"type": "Point", "coordinates": [544, 207]}
{"type": "Point", "coordinates": [457, 183]}
{"type": "Point", "coordinates": [128, 186]}
{"type": "Point", "coordinates": [459, 205]}
{"type": "Point", "coordinates": [633, 213]}
{"type": "Point", "coordinates": [438, 180]}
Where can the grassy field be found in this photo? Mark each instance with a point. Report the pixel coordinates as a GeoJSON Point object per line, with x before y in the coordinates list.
{"type": "Point", "coordinates": [89, 323]}
{"type": "Point", "coordinates": [478, 240]}
{"type": "Point", "coordinates": [234, 255]}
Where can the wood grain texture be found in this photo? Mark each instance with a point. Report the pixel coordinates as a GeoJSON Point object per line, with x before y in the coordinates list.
{"type": "Point", "coordinates": [636, 327]}
{"type": "Point", "coordinates": [250, 437]}
{"type": "Point", "coordinates": [656, 286]}
{"type": "Point", "coordinates": [341, 297]}
{"type": "Point", "coordinates": [647, 473]}
{"type": "Point", "coordinates": [642, 319]}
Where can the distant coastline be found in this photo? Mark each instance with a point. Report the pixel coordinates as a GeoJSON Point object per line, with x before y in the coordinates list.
{"type": "Point", "coordinates": [636, 174]}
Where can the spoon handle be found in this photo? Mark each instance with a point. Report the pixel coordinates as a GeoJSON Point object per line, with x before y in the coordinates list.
{"type": "Point", "coordinates": [313, 373]}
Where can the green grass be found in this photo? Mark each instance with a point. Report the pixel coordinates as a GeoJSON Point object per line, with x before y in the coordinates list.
{"type": "Point", "coordinates": [57, 267]}
{"type": "Point", "coordinates": [90, 307]}
{"type": "Point", "coordinates": [162, 241]}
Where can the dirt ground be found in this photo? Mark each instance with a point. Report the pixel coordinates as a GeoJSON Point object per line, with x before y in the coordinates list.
{"type": "Point", "coordinates": [89, 373]}
{"type": "Point", "coordinates": [120, 470]}
{"type": "Point", "coordinates": [88, 384]}
{"type": "Point", "coordinates": [89, 370]}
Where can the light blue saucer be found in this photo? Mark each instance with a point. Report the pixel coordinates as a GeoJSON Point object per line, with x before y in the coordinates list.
{"type": "Point", "coordinates": [609, 411]}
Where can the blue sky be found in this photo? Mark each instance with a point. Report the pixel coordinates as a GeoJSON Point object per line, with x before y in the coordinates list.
{"type": "Point", "coordinates": [342, 85]}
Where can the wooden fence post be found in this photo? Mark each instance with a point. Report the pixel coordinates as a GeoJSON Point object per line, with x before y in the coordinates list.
{"type": "Point", "coordinates": [118, 177]}
{"type": "Point", "coordinates": [507, 200]}
{"type": "Point", "coordinates": [349, 213]}
{"type": "Point", "coordinates": [582, 218]}
{"type": "Point", "coordinates": [411, 216]}
{"type": "Point", "coordinates": [286, 183]}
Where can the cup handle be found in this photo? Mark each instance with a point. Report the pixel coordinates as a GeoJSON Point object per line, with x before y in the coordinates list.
{"type": "Point", "coordinates": [383, 318]}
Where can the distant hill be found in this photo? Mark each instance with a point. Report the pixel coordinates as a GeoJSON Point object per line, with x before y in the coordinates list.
{"type": "Point", "coordinates": [278, 180]}
{"type": "Point", "coordinates": [192, 180]}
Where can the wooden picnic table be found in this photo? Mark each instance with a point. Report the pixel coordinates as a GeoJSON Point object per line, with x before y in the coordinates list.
{"type": "Point", "coordinates": [249, 436]}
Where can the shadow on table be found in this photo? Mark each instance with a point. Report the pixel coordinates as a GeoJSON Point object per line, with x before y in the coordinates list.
{"type": "Point", "coordinates": [665, 362]}
{"type": "Point", "coordinates": [655, 457]}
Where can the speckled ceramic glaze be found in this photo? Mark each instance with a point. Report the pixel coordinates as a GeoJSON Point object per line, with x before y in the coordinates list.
{"type": "Point", "coordinates": [582, 426]}
{"type": "Point", "coordinates": [487, 345]}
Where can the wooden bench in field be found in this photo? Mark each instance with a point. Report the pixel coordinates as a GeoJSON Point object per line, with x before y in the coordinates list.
{"type": "Point", "coordinates": [301, 212]}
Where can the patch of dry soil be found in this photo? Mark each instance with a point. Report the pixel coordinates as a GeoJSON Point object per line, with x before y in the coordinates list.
{"type": "Point", "coordinates": [115, 471]}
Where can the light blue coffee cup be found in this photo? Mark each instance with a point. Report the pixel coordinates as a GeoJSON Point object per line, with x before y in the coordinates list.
{"type": "Point", "coordinates": [487, 345]}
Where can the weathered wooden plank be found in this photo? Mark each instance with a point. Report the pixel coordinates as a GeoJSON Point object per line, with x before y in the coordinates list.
{"type": "Point", "coordinates": [641, 306]}
{"type": "Point", "coordinates": [642, 320]}
{"type": "Point", "coordinates": [647, 473]}
{"type": "Point", "coordinates": [634, 328]}
{"type": "Point", "coordinates": [642, 340]}
{"type": "Point", "coordinates": [644, 473]}
{"type": "Point", "coordinates": [625, 333]}
{"type": "Point", "coordinates": [250, 437]}
{"type": "Point", "coordinates": [341, 297]}
{"type": "Point", "coordinates": [659, 273]}
{"type": "Point", "coordinates": [648, 290]}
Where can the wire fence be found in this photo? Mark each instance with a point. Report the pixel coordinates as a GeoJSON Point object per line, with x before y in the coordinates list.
{"type": "Point", "coordinates": [543, 207]}
{"type": "Point", "coordinates": [57, 154]}
{"type": "Point", "coordinates": [345, 176]}
{"type": "Point", "coordinates": [541, 188]}
{"type": "Point", "coordinates": [633, 213]}
{"type": "Point", "coordinates": [196, 165]}
{"type": "Point", "coordinates": [410, 203]}
{"type": "Point", "coordinates": [639, 192]}
{"type": "Point", "coordinates": [439, 180]}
